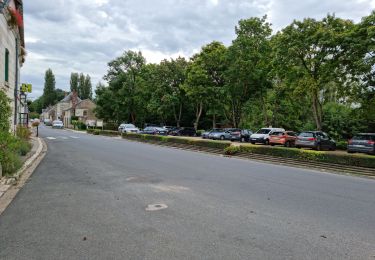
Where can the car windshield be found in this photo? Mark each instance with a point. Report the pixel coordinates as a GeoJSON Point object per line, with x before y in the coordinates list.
{"type": "Point", "coordinates": [264, 131]}
{"type": "Point", "coordinates": [57, 122]}
{"type": "Point", "coordinates": [129, 126]}
{"type": "Point", "coordinates": [278, 133]}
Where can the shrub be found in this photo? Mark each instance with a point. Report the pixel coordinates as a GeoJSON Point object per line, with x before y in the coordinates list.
{"type": "Point", "coordinates": [23, 132]}
{"type": "Point", "coordinates": [90, 130]}
{"type": "Point", "coordinates": [96, 132]}
{"type": "Point", "coordinates": [200, 132]}
{"type": "Point", "coordinates": [34, 115]}
{"type": "Point", "coordinates": [179, 140]}
{"type": "Point", "coordinates": [10, 150]}
{"type": "Point", "coordinates": [342, 145]}
{"type": "Point", "coordinates": [5, 112]}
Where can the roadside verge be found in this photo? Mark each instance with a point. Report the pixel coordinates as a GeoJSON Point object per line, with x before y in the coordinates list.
{"type": "Point", "coordinates": [9, 187]}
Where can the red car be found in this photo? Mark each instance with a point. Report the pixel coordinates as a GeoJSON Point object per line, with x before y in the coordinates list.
{"type": "Point", "coordinates": [287, 138]}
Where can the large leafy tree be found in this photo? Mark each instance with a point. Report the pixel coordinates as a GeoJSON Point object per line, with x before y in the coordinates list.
{"type": "Point", "coordinates": [123, 76]}
{"type": "Point", "coordinates": [248, 66]}
{"type": "Point", "coordinates": [310, 57]}
{"type": "Point", "coordinates": [74, 78]}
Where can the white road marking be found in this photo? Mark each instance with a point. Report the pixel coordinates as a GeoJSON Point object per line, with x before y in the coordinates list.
{"type": "Point", "coordinates": [51, 138]}
{"type": "Point", "coordinates": [74, 137]}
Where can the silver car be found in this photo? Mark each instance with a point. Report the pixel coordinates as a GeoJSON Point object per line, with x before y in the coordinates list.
{"type": "Point", "coordinates": [57, 124]}
{"type": "Point", "coordinates": [220, 134]}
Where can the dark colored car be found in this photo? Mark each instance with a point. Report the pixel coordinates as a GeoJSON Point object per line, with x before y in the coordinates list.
{"type": "Point", "coordinates": [151, 130]}
{"type": "Point", "coordinates": [287, 138]}
{"type": "Point", "coordinates": [362, 143]}
{"type": "Point", "coordinates": [184, 131]}
{"type": "Point", "coordinates": [241, 135]}
{"type": "Point", "coordinates": [316, 140]}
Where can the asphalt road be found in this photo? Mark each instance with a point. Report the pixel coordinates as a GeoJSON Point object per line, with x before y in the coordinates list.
{"type": "Point", "coordinates": [88, 200]}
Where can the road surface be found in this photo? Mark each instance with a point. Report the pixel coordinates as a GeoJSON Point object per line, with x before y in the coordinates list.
{"type": "Point", "coordinates": [90, 197]}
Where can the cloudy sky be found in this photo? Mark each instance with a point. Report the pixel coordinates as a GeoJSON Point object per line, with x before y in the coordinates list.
{"type": "Point", "coordinates": [84, 35]}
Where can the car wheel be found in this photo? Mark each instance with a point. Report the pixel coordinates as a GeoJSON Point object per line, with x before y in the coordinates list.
{"type": "Point", "coordinates": [222, 137]}
{"type": "Point", "coordinates": [333, 148]}
{"type": "Point", "coordinates": [267, 142]}
{"type": "Point", "coordinates": [350, 151]}
{"type": "Point", "coordinates": [319, 147]}
{"type": "Point", "coordinates": [298, 147]}
{"type": "Point", "coordinates": [252, 142]}
{"type": "Point", "coordinates": [272, 144]}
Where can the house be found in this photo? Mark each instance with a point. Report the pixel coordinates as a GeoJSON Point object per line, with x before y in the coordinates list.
{"type": "Point", "coordinates": [84, 110]}
{"type": "Point", "coordinates": [12, 56]}
{"type": "Point", "coordinates": [67, 102]}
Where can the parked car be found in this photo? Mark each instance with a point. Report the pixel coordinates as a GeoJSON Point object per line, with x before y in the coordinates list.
{"type": "Point", "coordinates": [170, 128]}
{"type": "Point", "coordinates": [128, 128]}
{"type": "Point", "coordinates": [223, 134]}
{"type": "Point", "coordinates": [184, 131]}
{"type": "Point", "coordinates": [207, 133]}
{"type": "Point", "coordinates": [57, 124]}
{"type": "Point", "coordinates": [47, 122]}
{"type": "Point", "coordinates": [152, 130]}
{"type": "Point", "coordinates": [287, 138]}
{"type": "Point", "coordinates": [316, 140]}
{"type": "Point", "coordinates": [263, 135]}
{"type": "Point", "coordinates": [362, 143]}
{"type": "Point", "coordinates": [242, 135]}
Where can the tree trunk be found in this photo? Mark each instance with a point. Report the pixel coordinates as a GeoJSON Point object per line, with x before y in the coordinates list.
{"type": "Point", "coordinates": [214, 120]}
{"type": "Point", "coordinates": [198, 115]}
{"type": "Point", "coordinates": [317, 111]}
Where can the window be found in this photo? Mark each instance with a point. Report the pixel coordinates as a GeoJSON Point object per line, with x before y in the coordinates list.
{"type": "Point", "coordinates": [6, 65]}
{"type": "Point", "coordinates": [84, 112]}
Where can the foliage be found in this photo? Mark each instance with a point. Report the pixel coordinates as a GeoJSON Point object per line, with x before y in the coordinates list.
{"type": "Point", "coordinates": [102, 132]}
{"type": "Point", "coordinates": [313, 74]}
{"type": "Point", "coordinates": [171, 139]}
{"type": "Point", "coordinates": [49, 91]}
{"type": "Point", "coordinates": [11, 148]}
{"type": "Point", "coordinates": [5, 112]}
{"type": "Point", "coordinates": [23, 132]}
{"type": "Point", "coordinates": [33, 115]}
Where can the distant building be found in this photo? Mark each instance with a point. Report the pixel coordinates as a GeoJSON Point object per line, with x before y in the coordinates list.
{"type": "Point", "coordinates": [84, 110]}
{"type": "Point", "coordinates": [12, 56]}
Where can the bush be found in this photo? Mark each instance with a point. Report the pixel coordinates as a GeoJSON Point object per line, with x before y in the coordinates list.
{"type": "Point", "coordinates": [200, 132]}
{"type": "Point", "coordinates": [179, 140]}
{"type": "Point", "coordinates": [342, 145]}
{"type": "Point", "coordinates": [33, 115]}
{"type": "Point", "coordinates": [102, 132]}
{"type": "Point", "coordinates": [23, 132]}
{"type": "Point", "coordinates": [11, 148]}
{"type": "Point", "coordinates": [96, 132]}
{"type": "Point", "coordinates": [5, 112]}
{"type": "Point", "coordinates": [90, 130]}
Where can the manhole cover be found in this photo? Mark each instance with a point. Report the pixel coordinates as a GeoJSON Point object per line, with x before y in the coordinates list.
{"type": "Point", "coordinates": [154, 207]}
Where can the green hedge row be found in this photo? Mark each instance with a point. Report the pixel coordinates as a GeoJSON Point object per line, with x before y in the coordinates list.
{"type": "Point", "coordinates": [178, 140]}
{"type": "Point", "coordinates": [102, 132]}
{"type": "Point", "coordinates": [306, 155]}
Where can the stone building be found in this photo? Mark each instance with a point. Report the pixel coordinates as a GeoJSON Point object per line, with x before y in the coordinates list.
{"type": "Point", "coordinates": [12, 55]}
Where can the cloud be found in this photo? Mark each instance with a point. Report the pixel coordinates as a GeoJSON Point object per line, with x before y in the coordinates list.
{"type": "Point", "coordinates": [83, 36]}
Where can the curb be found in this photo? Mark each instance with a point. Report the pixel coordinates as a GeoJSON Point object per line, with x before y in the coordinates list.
{"type": "Point", "coordinates": [15, 183]}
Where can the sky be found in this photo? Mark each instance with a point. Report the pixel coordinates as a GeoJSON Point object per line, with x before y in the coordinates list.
{"type": "Point", "coordinates": [84, 35]}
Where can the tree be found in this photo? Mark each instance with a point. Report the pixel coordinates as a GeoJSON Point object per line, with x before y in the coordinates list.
{"type": "Point", "coordinates": [310, 56]}
{"type": "Point", "coordinates": [74, 82]}
{"type": "Point", "coordinates": [49, 92]}
{"type": "Point", "coordinates": [249, 66]}
{"type": "Point", "coordinates": [86, 89]}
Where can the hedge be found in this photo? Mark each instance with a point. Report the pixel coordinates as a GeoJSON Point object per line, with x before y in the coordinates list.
{"type": "Point", "coordinates": [306, 155]}
{"type": "Point", "coordinates": [102, 132]}
{"type": "Point", "coordinates": [197, 142]}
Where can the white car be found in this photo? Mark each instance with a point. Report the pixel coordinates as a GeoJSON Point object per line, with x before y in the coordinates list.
{"type": "Point", "coordinates": [57, 124]}
{"type": "Point", "coordinates": [128, 128]}
{"type": "Point", "coordinates": [263, 135]}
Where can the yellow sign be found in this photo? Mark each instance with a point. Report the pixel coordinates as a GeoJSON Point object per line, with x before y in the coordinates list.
{"type": "Point", "coordinates": [26, 88]}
